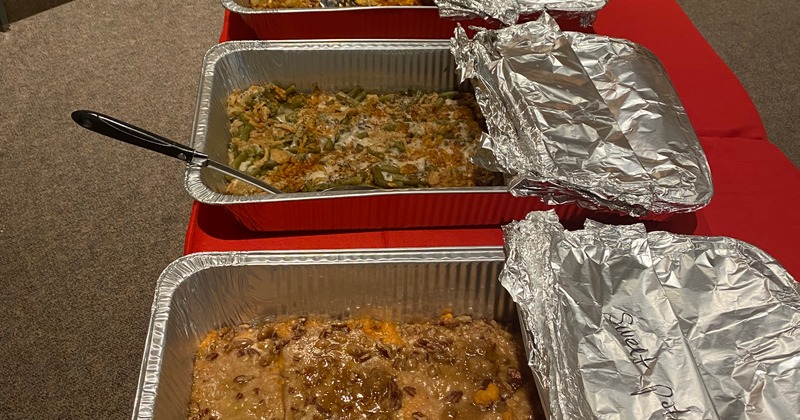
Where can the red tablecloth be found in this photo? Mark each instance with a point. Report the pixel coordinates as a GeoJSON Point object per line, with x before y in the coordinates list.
{"type": "Point", "coordinates": [716, 102]}
{"type": "Point", "coordinates": [757, 187]}
{"type": "Point", "coordinates": [748, 205]}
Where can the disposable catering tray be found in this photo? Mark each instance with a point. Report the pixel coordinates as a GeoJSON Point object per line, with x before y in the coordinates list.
{"type": "Point", "coordinates": [385, 22]}
{"type": "Point", "coordinates": [207, 291]}
{"type": "Point", "coordinates": [424, 65]}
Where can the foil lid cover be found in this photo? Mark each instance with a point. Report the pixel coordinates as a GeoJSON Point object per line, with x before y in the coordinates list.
{"type": "Point", "coordinates": [582, 118]}
{"type": "Point", "coordinates": [630, 324]}
{"type": "Point", "coordinates": [509, 11]}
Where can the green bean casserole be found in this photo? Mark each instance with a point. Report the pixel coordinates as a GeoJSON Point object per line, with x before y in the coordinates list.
{"type": "Point", "coordinates": [314, 141]}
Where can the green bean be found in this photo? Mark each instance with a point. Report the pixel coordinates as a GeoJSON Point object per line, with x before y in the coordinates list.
{"type": "Point", "coordinates": [352, 180]}
{"type": "Point", "coordinates": [343, 97]}
{"type": "Point", "coordinates": [346, 119]}
{"type": "Point", "coordinates": [377, 177]}
{"type": "Point", "coordinates": [307, 187]}
{"type": "Point", "coordinates": [389, 168]}
{"type": "Point", "coordinates": [270, 164]}
{"type": "Point", "coordinates": [386, 98]}
{"type": "Point", "coordinates": [239, 160]}
{"type": "Point", "coordinates": [257, 154]}
{"type": "Point", "coordinates": [361, 96]}
{"type": "Point", "coordinates": [390, 126]}
{"type": "Point", "coordinates": [453, 94]}
{"type": "Point", "coordinates": [376, 153]}
{"type": "Point", "coordinates": [290, 90]}
{"type": "Point", "coordinates": [355, 92]}
{"type": "Point", "coordinates": [399, 145]}
{"type": "Point", "coordinates": [362, 134]}
{"type": "Point", "coordinates": [244, 131]}
{"type": "Point", "coordinates": [295, 102]}
{"type": "Point", "coordinates": [329, 145]}
{"type": "Point", "coordinates": [414, 182]}
{"type": "Point", "coordinates": [258, 171]}
{"type": "Point", "coordinates": [438, 104]}
{"type": "Point", "coordinates": [448, 134]}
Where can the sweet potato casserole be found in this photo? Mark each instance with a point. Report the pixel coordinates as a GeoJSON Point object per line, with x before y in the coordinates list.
{"type": "Point", "coordinates": [314, 141]}
{"type": "Point", "coordinates": [362, 368]}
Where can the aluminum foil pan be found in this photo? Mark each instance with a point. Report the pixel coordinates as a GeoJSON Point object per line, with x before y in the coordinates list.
{"type": "Point", "coordinates": [332, 65]}
{"type": "Point", "coordinates": [395, 65]}
{"type": "Point", "coordinates": [630, 324]}
{"type": "Point", "coordinates": [510, 11]}
{"type": "Point", "coordinates": [201, 292]}
{"type": "Point", "coordinates": [583, 118]}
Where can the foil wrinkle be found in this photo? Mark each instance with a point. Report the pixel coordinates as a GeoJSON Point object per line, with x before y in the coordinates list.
{"type": "Point", "coordinates": [510, 11]}
{"type": "Point", "coordinates": [582, 118]}
{"type": "Point", "coordinates": [631, 324]}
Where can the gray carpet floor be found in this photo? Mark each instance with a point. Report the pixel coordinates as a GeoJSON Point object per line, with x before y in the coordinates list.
{"type": "Point", "coordinates": [87, 224]}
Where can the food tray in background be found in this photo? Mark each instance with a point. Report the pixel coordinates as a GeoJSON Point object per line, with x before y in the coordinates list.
{"type": "Point", "coordinates": [382, 22]}
{"type": "Point", "coordinates": [201, 292]}
{"type": "Point", "coordinates": [382, 66]}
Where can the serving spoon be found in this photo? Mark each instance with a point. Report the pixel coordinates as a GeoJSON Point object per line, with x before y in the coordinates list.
{"type": "Point", "coordinates": [129, 133]}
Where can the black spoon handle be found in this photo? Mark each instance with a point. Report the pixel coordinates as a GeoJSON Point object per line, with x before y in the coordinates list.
{"type": "Point", "coordinates": [120, 130]}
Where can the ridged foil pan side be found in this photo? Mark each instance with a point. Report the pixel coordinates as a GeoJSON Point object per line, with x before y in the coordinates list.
{"type": "Point", "coordinates": [201, 292]}
{"type": "Point", "coordinates": [583, 118]}
{"type": "Point", "coordinates": [634, 325]}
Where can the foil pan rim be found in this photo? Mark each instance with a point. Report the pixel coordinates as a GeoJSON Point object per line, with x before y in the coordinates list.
{"type": "Point", "coordinates": [235, 7]}
{"type": "Point", "coordinates": [186, 266]}
{"type": "Point", "coordinates": [200, 192]}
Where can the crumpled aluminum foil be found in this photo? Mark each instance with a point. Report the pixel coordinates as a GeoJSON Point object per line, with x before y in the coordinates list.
{"type": "Point", "coordinates": [630, 324]}
{"type": "Point", "coordinates": [583, 118]}
{"type": "Point", "coordinates": [509, 11]}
